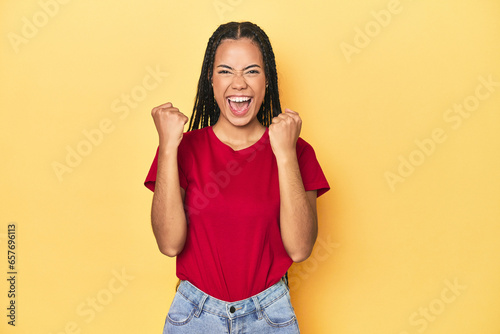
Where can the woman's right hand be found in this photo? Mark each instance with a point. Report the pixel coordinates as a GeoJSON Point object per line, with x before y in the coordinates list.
{"type": "Point", "coordinates": [169, 122]}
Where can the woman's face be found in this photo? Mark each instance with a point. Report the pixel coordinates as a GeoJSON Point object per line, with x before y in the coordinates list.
{"type": "Point", "coordinates": [239, 81]}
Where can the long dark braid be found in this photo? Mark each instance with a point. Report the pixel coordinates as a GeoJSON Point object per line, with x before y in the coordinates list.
{"type": "Point", "coordinates": [206, 111]}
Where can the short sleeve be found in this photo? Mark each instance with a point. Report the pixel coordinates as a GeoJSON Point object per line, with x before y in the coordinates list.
{"type": "Point", "coordinates": [151, 177]}
{"type": "Point", "coordinates": [313, 177]}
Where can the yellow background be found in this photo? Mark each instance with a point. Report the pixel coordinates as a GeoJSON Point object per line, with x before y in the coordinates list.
{"type": "Point", "coordinates": [387, 252]}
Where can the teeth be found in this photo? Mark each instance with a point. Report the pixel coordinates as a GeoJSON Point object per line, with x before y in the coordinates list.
{"type": "Point", "coordinates": [239, 99]}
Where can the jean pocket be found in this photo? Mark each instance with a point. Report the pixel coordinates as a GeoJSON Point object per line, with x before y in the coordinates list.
{"type": "Point", "coordinates": [280, 312]}
{"type": "Point", "coordinates": [181, 311]}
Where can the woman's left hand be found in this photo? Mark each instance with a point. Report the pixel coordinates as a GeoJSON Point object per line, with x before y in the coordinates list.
{"type": "Point", "coordinates": [284, 132]}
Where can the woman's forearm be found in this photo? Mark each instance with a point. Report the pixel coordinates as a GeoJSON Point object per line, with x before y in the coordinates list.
{"type": "Point", "coordinates": [168, 218]}
{"type": "Point", "coordinates": [298, 220]}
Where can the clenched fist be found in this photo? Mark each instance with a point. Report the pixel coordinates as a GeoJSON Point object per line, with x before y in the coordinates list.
{"type": "Point", "coordinates": [284, 132]}
{"type": "Point", "coordinates": [169, 122]}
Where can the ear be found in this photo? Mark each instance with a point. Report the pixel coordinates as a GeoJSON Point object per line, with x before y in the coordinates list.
{"type": "Point", "coordinates": [210, 76]}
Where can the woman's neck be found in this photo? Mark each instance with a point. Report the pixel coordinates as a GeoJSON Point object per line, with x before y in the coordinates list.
{"type": "Point", "coordinates": [239, 137]}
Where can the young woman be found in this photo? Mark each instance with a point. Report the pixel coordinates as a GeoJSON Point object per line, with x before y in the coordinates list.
{"type": "Point", "coordinates": [235, 196]}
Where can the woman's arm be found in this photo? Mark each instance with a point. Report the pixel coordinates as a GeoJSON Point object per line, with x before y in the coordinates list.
{"type": "Point", "coordinates": [168, 218]}
{"type": "Point", "coordinates": [298, 219]}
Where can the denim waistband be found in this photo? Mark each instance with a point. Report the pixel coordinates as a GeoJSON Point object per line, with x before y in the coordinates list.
{"type": "Point", "coordinates": [231, 310]}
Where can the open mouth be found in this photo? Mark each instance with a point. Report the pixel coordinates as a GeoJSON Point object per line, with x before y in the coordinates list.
{"type": "Point", "coordinates": [239, 105]}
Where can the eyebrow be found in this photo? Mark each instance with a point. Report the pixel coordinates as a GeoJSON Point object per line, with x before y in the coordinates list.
{"type": "Point", "coordinates": [246, 68]}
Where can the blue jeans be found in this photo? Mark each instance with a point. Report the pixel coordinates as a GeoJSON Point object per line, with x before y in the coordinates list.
{"type": "Point", "coordinates": [193, 311]}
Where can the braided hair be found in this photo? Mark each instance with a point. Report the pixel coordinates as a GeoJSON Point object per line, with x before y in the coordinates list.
{"type": "Point", "coordinates": [206, 111]}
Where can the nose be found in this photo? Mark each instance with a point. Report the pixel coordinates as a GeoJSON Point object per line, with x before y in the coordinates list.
{"type": "Point", "coordinates": [238, 80]}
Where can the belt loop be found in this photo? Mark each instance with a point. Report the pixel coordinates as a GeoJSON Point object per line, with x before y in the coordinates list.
{"type": "Point", "coordinates": [200, 305]}
{"type": "Point", "coordinates": [286, 279]}
{"type": "Point", "coordinates": [257, 306]}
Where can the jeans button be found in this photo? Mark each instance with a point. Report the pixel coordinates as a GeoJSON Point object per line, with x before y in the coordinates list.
{"type": "Point", "coordinates": [232, 309]}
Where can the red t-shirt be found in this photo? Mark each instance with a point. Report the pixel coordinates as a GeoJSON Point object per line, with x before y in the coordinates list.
{"type": "Point", "coordinates": [233, 248]}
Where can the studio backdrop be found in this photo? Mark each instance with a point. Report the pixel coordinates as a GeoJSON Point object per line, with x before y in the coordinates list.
{"type": "Point", "coordinates": [399, 98]}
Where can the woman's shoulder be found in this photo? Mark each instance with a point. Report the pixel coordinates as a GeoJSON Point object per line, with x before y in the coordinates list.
{"type": "Point", "coordinates": [303, 145]}
{"type": "Point", "coordinates": [195, 136]}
